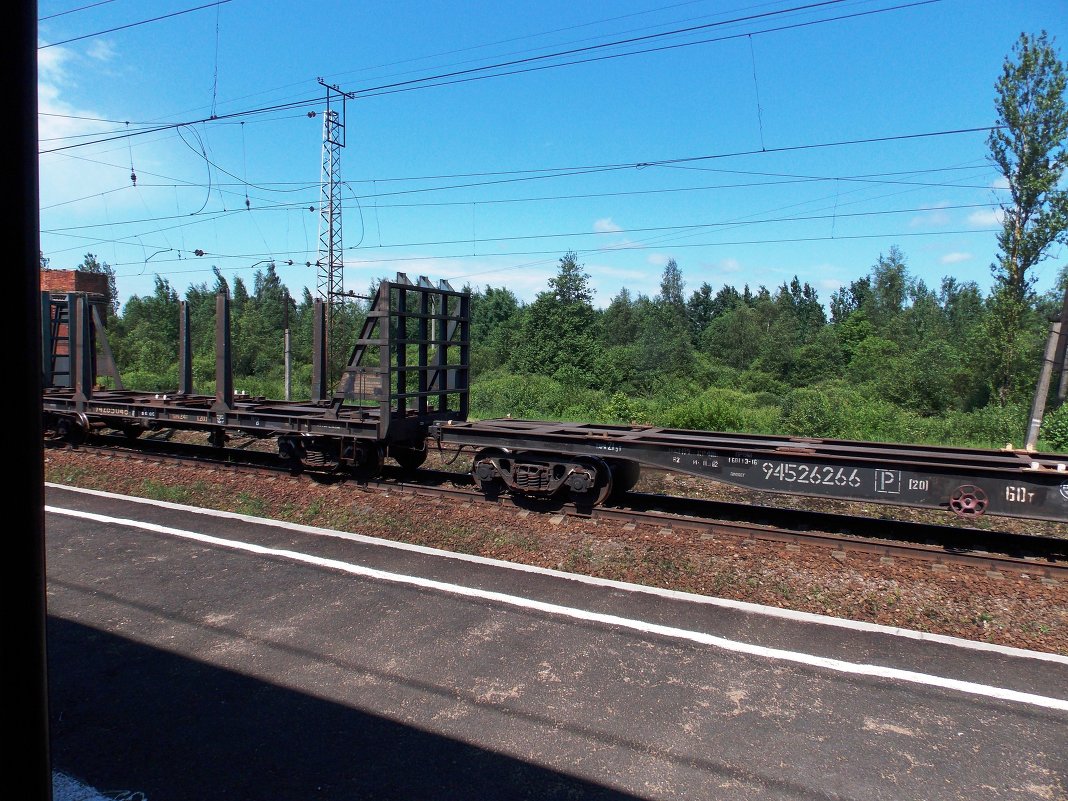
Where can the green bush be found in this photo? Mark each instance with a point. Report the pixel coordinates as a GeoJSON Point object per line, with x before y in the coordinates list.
{"type": "Point", "coordinates": [151, 382]}
{"type": "Point", "coordinates": [721, 410]}
{"type": "Point", "coordinates": [532, 396]}
{"type": "Point", "coordinates": [619, 408]}
{"type": "Point", "coordinates": [875, 421]}
{"type": "Point", "coordinates": [1055, 429]}
{"type": "Point", "coordinates": [992, 426]}
{"type": "Point", "coordinates": [811, 413]}
{"type": "Point", "coordinates": [761, 382]}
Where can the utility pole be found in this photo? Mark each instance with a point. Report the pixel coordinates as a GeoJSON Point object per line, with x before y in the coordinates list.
{"type": "Point", "coordinates": [286, 350]}
{"type": "Point", "coordinates": [330, 278]}
{"type": "Point", "coordinates": [1055, 357]}
{"type": "Point", "coordinates": [1038, 405]}
{"type": "Point", "coordinates": [1061, 357]}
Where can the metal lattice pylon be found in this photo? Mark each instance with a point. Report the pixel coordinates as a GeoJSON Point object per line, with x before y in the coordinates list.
{"type": "Point", "coordinates": [330, 276]}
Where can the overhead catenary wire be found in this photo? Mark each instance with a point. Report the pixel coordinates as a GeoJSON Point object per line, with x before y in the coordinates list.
{"type": "Point", "coordinates": [187, 123]}
{"type": "Point", "coordinates": [556, 252]}
{"type": "Point", "coordinates": [601, 46]}
{"type": "Point", "coordinates": [74, 10]}
{"type": "Point", "coordinates": [438, 80]}
{"type": "Point", "coordinates": [537, 35]}
{"type": "Point", "coordinates": [736, 223]}
{"type": "Point", "coordinates": [289, 206]}
{"type": "Point", "coordinates": [424, 83]}
{"type": "Point", "coordinates": [132, 24]}
{"type": "Point", "coordinates": [661, 236]}
{"type": "Point", "coordinates": [645, 164]}
{"type": "Point", "coordinates": [661, 239]}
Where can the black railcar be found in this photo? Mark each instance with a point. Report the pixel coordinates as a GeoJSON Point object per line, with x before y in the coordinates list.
{"type": "Point", "coordinates": [405, 386]}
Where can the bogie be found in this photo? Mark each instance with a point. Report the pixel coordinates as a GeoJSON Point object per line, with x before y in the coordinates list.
{"type": "Point", "coordinates": [584, 480]}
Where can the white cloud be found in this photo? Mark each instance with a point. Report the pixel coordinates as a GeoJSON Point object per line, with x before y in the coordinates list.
{"type": "Point", "coordinates": [829, 284]}
{"type": "Point", "coordinates": [67, 175]}
{"type": "Point", "coordinates": [101, 50]}
{"type": "Point", "coordinates": [51, 62]}
{"type": "Point", "coordinates": [606, 226]}
{"type": "Point", "coordinates": [600, 270]}
{"type": "Point", "coordinates": [728, 265]}
{"type": "Point", "coordinates": [984, 219]}
{"type": "Point", "coordinates": [1001, 182]}
{"type": "Point", "coordinates": [955, 258]}
{"type": "Point", "coordinates": [657, 259]}
{"type": "Point", "coordinates": [931, 219]}
{"type": "Point", "coordinates": [526, 281]}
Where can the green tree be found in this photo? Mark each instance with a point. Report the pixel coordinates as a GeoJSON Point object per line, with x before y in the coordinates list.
{"type": "Point", "coordinates": [618, 324]}
{"type": "Point", "coordinates": [672, 285]}
{"type": "Point", "coordinates": [145, 341]}
{"type": "Point", "coordinates": [1028, 147]}
{"type": "Point", "coordinates": [559, 328]}
{"type": "Point", "coordinates": [700, 310]}
{"type": "Point", "coordinates": [734, 338]}
{"type": "Point", "coordinates": [891, 288]}
{"type": "Point", "coordinates": [665, 338]}
{"type": "Point", "coordinates": [90, 264]}
{"type": "Point", "coordinates": [495, 315]}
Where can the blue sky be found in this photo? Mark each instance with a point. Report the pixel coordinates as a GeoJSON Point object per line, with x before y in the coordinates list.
{"type": "Point", "coordinates": [490, 181]}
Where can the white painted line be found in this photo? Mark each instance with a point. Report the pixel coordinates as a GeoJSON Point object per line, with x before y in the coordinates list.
{"type": "Point", "coordinates": [582, 614]}
{"type": "Point", "coordinates": [726, 603]}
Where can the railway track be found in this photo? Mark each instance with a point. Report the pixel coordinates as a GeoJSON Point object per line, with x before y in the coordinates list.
{"type": "Point", "coordinates": [996, 552]}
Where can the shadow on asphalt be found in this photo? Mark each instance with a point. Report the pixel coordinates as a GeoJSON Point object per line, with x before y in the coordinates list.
{"type": "Point", "coordinates": [129, 717]}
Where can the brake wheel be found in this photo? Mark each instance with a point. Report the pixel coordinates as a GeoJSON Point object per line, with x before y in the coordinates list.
{"type": "Point", "coordinates": [969, 501]}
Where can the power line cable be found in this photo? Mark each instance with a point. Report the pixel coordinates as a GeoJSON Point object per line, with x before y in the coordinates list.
{"type": "Point", "coordinates": [788, 178]}
{"type": "Point", "coordinates": [73, 10]}
{"type": "Point", "coordinates": [266, 205]}
{"type": "Point", "coordinates": [673, 228]}
{"type": "Point", "coordinates": [410, 85]}
{"type": "Point", "coordinates": [543, 33]}
{"type": "Point", "coordinates": [524, 37]}
{"type": "Point", "coordinates": [187, 123]}
{"type": "Point", "coordinates": [556, 252]}
{"type": "Point", "coordinates": [423, 83]}
{"type": "Point", "coordinates": [603, 45]}
{"type": "Point", "coordinates": [132, 25]}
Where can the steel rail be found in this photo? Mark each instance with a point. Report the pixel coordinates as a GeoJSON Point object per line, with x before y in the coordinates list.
{"type": "Point", "coordinates": [998, 553]}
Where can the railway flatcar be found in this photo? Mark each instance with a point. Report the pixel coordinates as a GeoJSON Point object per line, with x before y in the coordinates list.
{"type": "Point", "coordinates": [381, 406]}
{"type": "Point", "coordinates": [405, 389]}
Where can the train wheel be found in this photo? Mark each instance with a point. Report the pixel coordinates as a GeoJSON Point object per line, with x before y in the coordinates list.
{"type": "Point", "coordinates": [485, 470]}
{"type": "Point", "coordinates": [291, 451]}
{"type": "Point", "coordinates": [69, 430]}
{"type": "Point", "coordinates": [625, 475]}
{"type": "Point", "coordinates": [592, 484]}
{"type": "Point", "coordinates": [408, 458]}
{"type": "Point", "coordinates": [132, 432]}
{"type": "Point", "coordinates": [367, 457]}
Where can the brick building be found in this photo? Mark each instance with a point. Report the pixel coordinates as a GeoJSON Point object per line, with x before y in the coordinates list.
{"type": "Point", "coordinates": [74, 281]}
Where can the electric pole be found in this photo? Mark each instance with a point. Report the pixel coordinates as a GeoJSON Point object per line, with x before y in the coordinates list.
{"type": "Point", "coordinates": [330, 278]}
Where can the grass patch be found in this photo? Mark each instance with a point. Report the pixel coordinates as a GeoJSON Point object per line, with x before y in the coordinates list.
{"type": "Point", "coordinates": [251, 505]}
{"type": "Point", "coordinates": [158, 491]}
